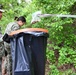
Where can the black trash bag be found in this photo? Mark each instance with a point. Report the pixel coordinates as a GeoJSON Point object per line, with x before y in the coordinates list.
{"type": "Point", "coordinates": [39, 43]}
{"type": "Point", "coordinates": [20, 57]}
{"type": "Point", "coordinates": [29, 53]}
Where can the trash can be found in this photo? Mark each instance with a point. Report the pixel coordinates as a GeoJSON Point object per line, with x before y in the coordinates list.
{"type": "Point", "coordinates": [28, 48]}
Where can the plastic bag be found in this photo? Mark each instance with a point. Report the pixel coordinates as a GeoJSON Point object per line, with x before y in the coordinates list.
{"type": "Point", "coordinates": [35, 17]}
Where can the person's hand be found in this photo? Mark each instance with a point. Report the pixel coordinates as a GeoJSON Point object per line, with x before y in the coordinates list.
{"type": "Point", "coordinates": [34, 22]}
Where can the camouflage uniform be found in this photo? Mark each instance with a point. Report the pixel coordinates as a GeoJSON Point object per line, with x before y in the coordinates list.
{"type": "Point", "coordinates": [10, 27]}
{"type": "Point", "coordinates": [1, 44]}
{"type": "Point", "coordinates": [1, 49]}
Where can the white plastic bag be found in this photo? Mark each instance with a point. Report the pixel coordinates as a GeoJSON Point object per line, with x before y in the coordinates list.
{"type": "Point", "coordinates": [35, 17]}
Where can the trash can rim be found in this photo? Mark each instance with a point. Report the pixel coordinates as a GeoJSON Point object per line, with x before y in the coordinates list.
{"type": "Point", "coordinates": [27, 30]}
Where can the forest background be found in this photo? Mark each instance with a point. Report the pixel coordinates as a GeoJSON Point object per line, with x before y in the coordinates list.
{"type": "Point", "coordinates": [61, 44]}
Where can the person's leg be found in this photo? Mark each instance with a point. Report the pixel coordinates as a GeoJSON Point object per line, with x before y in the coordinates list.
{"type": "Point", "coordinates": [9, 65]}
{"type": "Point", "coordinates": [0, 65]}
{"type": "Point", "coordinates": [4, 64]}
{"type": "Point", "coordinates": [9, 58]}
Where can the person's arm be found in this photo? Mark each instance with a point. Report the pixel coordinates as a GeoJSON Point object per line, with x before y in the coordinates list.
{"type": "Point", "coordinates": [14, 27]}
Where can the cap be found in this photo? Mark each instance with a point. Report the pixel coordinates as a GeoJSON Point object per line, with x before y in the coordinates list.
{"type": "Point", "coordinates": [1, 10]}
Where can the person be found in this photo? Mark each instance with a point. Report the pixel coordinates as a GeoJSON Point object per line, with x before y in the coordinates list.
{"type": "Point", "coordinates": [20, 21]}
{"type": "Point", "coordinates": [1, 41]}
{"type": "Point", "coordinates": [1, 11]}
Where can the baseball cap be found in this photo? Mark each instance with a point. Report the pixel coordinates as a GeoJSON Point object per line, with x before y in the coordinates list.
{"type": "Point", "coordinates": [1, 10]}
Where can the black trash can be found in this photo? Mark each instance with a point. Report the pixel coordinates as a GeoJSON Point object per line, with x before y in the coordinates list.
{"type": "Point", "coordinates": [28, 48]}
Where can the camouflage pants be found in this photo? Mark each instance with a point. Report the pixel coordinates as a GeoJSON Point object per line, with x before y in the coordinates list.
{"type": "Point", "coordinates": [5, 61]}
{"type": "Point", "coordinates": [8, 62]}
{"type": "Point", "coordinates": [1, 53]}
{"type": "Point", "coordinates": [9, 65]}
{"type": "Point", "coordinates": [0, 64]}
{"type": "Point", "coordinates": [4, 71]}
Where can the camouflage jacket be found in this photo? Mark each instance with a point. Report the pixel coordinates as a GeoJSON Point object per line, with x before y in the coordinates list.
{"type": "Point", "coordinates": [10, 27]}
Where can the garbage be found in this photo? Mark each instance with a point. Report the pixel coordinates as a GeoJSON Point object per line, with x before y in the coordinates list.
{"type": "Point", "coordinates": [28, 50]}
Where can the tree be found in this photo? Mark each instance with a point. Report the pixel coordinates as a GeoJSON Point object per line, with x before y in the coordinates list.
{"type": "Point", "coordinates": [62, 31]}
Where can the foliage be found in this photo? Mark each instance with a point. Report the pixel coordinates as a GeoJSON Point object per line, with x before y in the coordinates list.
{"type": "Point", "coordinates": [62, 31]}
